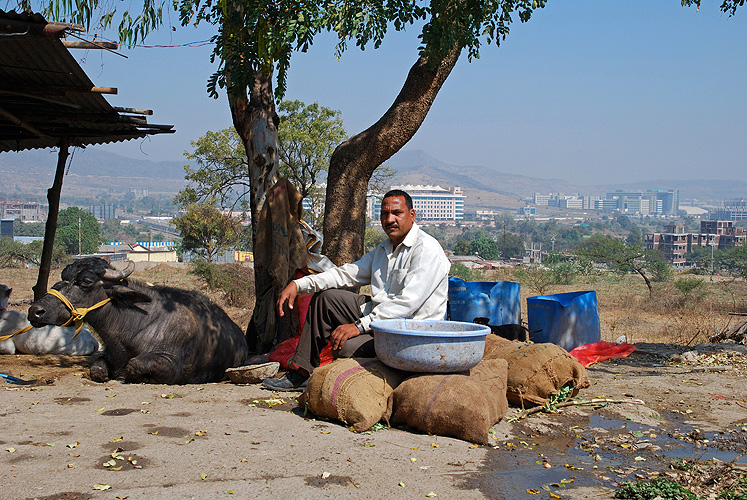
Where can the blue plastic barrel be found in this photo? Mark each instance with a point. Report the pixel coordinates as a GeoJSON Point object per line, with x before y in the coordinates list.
{"type": "Point", "coordinates": [565, 319]}
{"type": "Point", "coordinates": [500, 301]}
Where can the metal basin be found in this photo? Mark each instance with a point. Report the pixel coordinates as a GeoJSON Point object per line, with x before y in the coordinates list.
{"type": "Point", "coordinates": [429, 346]}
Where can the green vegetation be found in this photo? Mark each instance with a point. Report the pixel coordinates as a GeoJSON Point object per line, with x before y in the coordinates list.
{"type": "Point", "coordinates": [28, 229]}
{"type": "Point", "coordinates": [623, 257]}
{"type": "Point", "coordinates": [373, 238]}
{"type": "Point", "coordinates": [690, 287]}
{"type": "Point", "coordinates": [206, 230]}
{"type": "Point", "coordinates": [16, 254]}
{"type": "Point", "coordinates": [78, 232]}
{"type": "Point", "coordinates": [659, 488]}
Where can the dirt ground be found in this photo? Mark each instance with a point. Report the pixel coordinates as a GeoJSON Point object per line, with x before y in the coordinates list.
{"type": "Point", "coordinates": [669, 410]}
{"type": "Point", "coordinates": [69, 438]}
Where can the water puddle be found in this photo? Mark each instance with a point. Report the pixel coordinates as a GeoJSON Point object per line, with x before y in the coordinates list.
{"type": "Point", "coordinates": [598, 451]}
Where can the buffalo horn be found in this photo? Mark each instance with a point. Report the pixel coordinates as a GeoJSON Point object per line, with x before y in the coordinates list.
{"type": "Point", "coordinates": [114, 275]}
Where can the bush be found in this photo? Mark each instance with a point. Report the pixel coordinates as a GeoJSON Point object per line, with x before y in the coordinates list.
{"type": "Point", "coordinates": [234, 280]}
{"type": "Point", "coordinates": [564, 273]}
{"type": "Point", "coordinates": [690, 287]}
{"type": "Point", "coordinates": [538, 280]}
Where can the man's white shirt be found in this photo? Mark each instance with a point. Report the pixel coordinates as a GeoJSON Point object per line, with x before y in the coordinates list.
{"type": "Point", "coordinates": [410, 281]}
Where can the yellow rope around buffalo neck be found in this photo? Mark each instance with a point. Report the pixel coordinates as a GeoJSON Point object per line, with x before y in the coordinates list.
{"type": "Point", "coordinates": [22, 330]}
{"type": "Point", "coordinates": [76, 314]}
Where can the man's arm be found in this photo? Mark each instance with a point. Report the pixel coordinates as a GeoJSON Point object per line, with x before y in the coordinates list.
{"type": "Point", "coordinates": [351, 275]}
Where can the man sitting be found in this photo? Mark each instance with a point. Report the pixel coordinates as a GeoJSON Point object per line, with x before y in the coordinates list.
{"type": "Point", "coordinates": [408, 274]}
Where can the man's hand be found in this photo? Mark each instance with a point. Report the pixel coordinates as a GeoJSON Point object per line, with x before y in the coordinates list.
{"type": "Point", "coordinates": [341, 334]}
{"type": "Point", "coordinates": [287, 295]}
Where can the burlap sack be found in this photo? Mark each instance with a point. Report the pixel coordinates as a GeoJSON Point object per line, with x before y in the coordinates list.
{"type": "Point", "coordinates": [352, 390]}
{"type": "Point", "coordinates": [536, 371]}
{"type": "Point", "coordinates": [464, 405]}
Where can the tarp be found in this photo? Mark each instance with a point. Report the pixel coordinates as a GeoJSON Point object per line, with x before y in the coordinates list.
{"type": "Point", "coordinates": [498, 301]}
{"type": "Point", "coordinates": [588, 354]}
{"type": "Point", "coordinates": [565, 319]}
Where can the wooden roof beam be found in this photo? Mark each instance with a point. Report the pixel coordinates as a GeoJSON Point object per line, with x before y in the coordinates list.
{"type": "Point", "coordinates": [134, 111]}
{"type": "Point", "coordinates": [70, 44]}
{"type": "Point", "coordinates": [57, 90]}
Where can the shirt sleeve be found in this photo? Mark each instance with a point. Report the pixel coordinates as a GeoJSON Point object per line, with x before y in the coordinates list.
{"type": "Point", "coordinates": [428, 271]}
{"type": "Point", "coordinates": [350, 275]}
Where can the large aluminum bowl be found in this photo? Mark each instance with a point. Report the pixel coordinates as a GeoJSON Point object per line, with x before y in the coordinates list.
{"type": "Point", "coordinates": [429, 346]}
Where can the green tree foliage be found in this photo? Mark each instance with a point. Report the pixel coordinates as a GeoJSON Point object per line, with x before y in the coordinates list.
{"type": "Point", "coordinates": [21, 228]}
{"type": "Point", "coordinates": [76, 226]}
{"type": "Point", "coordinates": [16, 254]}
{"type": "Point", "coordinates": [734, 261]}
{"type": "Point", "coordinates": [701, 257]}
{"type": "Point", "coordinates": [462, 247]}
{"type": "Point", "coordinates": [689, 287]}
{"type": "Point", "coordinates": [565, 272]}
{"type": "Point", "coordinates": [537, 280]}
{"type": "Point", "coordinates": [234, 280]}
{"type": "Point", "coordinates": [114, 230]}
{"type": "Point", "coordinates": [486, 248]}
{"type": "Point", "coordinates": [221, 173]}
{"type": "Point", "coordinates": [373, 238]}
{"type": "Point", "coordinates": [659, 268]}
{"type": "Point", "coordinates": [620, 255]}
{"type": "Point", "coordinates": [206, 230]}
{"type": "Point", "coordinates": [459, 270]}
{"type": "Point", "coordinates": [307, 136]}
{"type": "Point", "coordinates": [514, 245]}
{"type": "Point", "coordinates": [508, 243]}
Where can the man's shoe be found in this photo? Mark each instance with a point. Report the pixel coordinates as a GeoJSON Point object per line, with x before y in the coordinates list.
{"type": "Point", "coordinates": [290, 382]}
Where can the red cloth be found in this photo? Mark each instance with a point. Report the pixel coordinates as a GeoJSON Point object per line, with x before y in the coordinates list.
{"type": "Point", "coordinates": [285, 350]}
{"type": "Point", "coordinates": [588, 354]}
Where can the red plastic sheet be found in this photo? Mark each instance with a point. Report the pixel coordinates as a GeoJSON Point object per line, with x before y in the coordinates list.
{"type": "Point", "coordinates": [588, 354]}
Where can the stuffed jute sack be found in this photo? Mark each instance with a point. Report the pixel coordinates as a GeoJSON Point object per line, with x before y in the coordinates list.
{"type": "Point", "coordinates": [352, 390]}
{"type": "Point", "coordinates": [535, 371]}
{"type": "Point", "coordinates": [464, 405]}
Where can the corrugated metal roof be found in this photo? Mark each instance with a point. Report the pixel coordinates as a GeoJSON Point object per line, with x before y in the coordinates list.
{"type": "Point", "coordinates": [45, 95]}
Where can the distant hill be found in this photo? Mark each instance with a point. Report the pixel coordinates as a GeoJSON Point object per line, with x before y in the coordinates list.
{"type": "Point", "coordinates": [417, 167]}
{"type": "Point", "coordinates": [92, 171]}
{"type": "Point", "coordinates": [89, 172]}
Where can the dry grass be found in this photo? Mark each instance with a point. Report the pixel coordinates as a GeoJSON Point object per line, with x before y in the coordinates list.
{"type": "Point", "coordinates": [625, 307]}
{"type": "Point", "coordinates": [21, 280]}
{"type": "Point", "coordinates": [624, 304]}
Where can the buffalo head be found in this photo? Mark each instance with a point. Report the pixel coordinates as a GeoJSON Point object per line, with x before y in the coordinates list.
{"type": "Point", "coordinates": [4, 296]}
{"type": "Point", "coordinates": [85, 283]}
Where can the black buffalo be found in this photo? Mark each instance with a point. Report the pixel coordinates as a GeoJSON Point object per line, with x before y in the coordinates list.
{"type": "Point", "coordinates": [152, 334]}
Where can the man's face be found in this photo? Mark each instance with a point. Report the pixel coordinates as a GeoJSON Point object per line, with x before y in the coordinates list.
{"type": "Point", "coordinates": [396, 218]}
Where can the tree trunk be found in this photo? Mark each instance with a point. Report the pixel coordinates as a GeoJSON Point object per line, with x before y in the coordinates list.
{"type": "Point", "coordinates": [53, 197]}
{"type": "Point", "coordinates": [648, 282]}
{"type": "Point", "coordinates": [256, 122]}
{"type": "Point", "coordinates": [355, 160]}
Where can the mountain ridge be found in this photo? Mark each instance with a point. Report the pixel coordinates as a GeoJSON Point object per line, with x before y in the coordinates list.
{"type": "Point", "coordinates": [91, 169]}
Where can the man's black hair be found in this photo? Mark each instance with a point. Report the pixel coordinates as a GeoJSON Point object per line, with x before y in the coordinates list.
{"type": "Point", "coordinates": [399, 192]}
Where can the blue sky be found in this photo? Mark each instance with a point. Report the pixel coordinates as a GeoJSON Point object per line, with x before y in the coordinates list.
{"type": "Point", "coordinates": [589, 91]}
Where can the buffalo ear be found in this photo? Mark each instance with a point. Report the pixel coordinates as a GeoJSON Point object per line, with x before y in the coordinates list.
{"type": "Point", "coordinates": [125, 294]}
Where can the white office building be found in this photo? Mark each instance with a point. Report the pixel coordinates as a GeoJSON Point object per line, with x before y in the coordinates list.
{"type": "Point", "coordinates": [431, 203]}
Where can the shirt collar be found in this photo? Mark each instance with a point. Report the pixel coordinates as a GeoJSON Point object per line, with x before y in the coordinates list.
{"type": "Point", "coordinates": [410, 238]}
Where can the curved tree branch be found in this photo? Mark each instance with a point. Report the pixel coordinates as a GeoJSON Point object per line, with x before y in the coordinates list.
{"type": "Point", "coordinates": [355, 160]}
